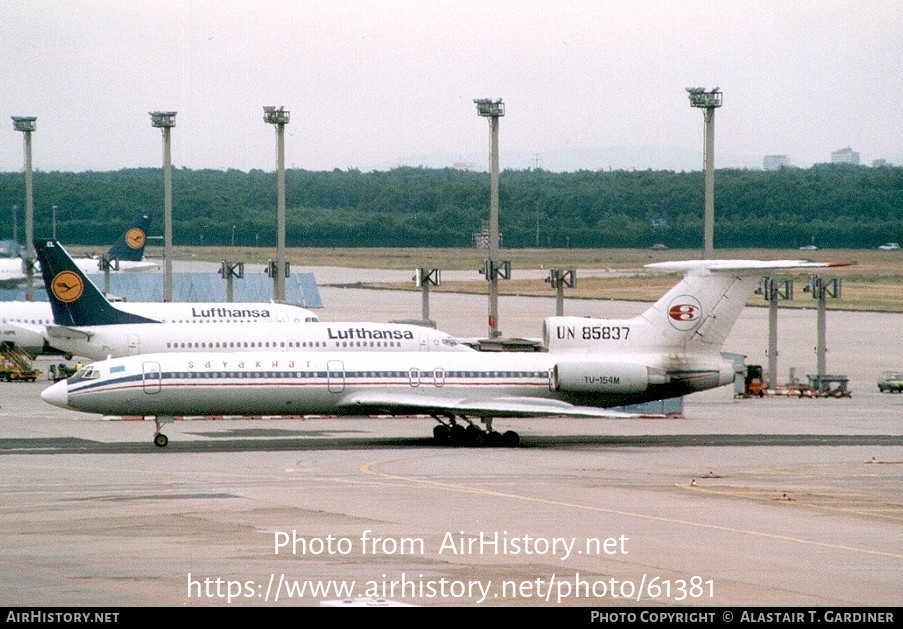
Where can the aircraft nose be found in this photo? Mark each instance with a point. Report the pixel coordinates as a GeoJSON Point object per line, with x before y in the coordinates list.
{"type": "Point", "coordinates": [57, 394]}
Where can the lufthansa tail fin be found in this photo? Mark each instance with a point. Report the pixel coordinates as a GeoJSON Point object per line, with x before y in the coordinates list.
{"type": "Point", "coordinates": [75, 301]}
{"type": "Point", "coordinates": [130, 245]}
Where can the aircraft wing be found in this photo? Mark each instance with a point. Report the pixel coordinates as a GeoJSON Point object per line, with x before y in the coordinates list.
{"type": "Point", "coordinates": [65, 332]}
{"type": "Point", "coordinates": [31, 328]}
{"type": "Point", "coordinates": [21, 333]}
{"type": "Point", "coordinates": [389, 403]}
{"type": "Point", "coordinates": [144, 265]}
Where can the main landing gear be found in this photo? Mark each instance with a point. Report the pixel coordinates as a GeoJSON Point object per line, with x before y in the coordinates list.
{"type": "Point", "coordinates": [451, 433]}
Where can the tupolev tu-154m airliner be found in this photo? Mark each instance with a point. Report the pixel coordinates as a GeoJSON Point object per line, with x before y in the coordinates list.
{"type": "Point", "coordinates": [592, 365]}
{"type": "Point", "coordinates": [86, 324]}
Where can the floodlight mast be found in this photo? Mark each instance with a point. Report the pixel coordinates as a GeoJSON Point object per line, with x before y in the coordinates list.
{"type": "Point", "coordinates": [708, 101]}
{"type": "Point", "coordinates": [27, 124]}
{"type": "Point", "coordinates": [166, 120]}
{"type": "Point", "coordinates": [493, 109]}
{"type": "Point", "coordinates": [279, 117]}
{"type": "Point", "coordinates": [774, 290]}
{"type": "Point", "coordinates": [821, 288]}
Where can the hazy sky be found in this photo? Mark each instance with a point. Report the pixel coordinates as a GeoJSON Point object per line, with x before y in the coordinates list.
{"type": "Point", "coordinates": [375, 84]}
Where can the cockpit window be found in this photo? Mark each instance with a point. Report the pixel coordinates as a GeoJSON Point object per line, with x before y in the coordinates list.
{"type": "Point", "coordinates": [87, 373]}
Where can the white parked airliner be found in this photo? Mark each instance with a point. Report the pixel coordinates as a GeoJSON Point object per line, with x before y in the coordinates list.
{"type": "Point", "coordinates": [86, 324]}
{"type": "Point", "coordinates": [26, 323]}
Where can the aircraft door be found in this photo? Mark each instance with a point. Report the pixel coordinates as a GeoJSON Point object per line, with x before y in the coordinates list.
{"type": "Point", "coordinates": [134, 345]}
{"type": "Point", "coordinates": [423, 342]}
{"type": "Point", "coordinates": [335, 376]}
{"type": "Point", "coordinates": [152, 377]}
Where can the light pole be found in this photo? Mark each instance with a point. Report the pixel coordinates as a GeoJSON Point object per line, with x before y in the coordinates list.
{"type": "Point", "coordinates": [233, 235]}
{"type": "Point", "coordinates": [279, 117]}
{"type": "Point", "coordinates": [559, 279]}
{"type": "Point", "coordinates": [493, 109]}
{"type": "Point", "coordinates": [16, 223]}
{"type": "Point", "coordinates": [166, 120]}
{"type": "Point", "coordinates": [424, 278]}
{"type": "Point", "coordinates": [821, 288]}
{"type": "Point", "coordinates": [26, 124]}
{"type": "Point", "coordinates": [53, 209]}
{"type": "Point", "coordinates": [774, 290]}
{"type": "Point", "coordinates": [708, 101]}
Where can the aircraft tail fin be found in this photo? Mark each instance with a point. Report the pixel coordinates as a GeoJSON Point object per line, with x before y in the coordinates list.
{"type": "Point", "coordinates": [696, 315]}
{"type": "Point", "coordinates": [130, 245]}
{"type": "Point", "coordinates": [74, 299]}
{"type": "Point", "coordinates": [699, 312]}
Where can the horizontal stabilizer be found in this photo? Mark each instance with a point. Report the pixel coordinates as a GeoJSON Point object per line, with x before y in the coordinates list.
{"type": "Point", "coordinates": [689, 266]}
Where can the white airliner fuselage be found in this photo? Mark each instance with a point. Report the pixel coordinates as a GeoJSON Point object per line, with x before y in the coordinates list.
{"type": "Point", "coordinates": [361, 383]}
{"type": "Point", "coordinates": [102, 341]}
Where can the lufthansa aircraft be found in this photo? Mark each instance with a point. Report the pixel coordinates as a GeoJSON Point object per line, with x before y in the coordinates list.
{"type": "Point", "coordinates": [27, 323]}
{"type": "Point", "coordinates": [128, 251]}
{"type": "Point", "coordinates": [672, 349]}
{"type": "Point", "coordinates": [86, 324]}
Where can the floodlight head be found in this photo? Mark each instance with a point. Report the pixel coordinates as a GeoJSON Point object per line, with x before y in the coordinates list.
{"type": "Point", "coordinates": [273, 115]}
{"type": "Point", "coordinates": [699, 97]}
{"type": "Point", "coordinates": [24, 123]}
{"type": "Point", "coordinates": [164, 119]}
{"type": "Point", "coordinates": [490, 108]}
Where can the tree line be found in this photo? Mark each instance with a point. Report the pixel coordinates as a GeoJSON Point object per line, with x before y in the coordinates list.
{"type": "Point", "coordinates": [831, 205]}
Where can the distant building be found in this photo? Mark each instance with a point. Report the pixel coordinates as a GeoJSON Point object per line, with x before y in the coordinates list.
{"type": "Point", "coordinates": [470, 166]}
{"type": "Point", "coordinates": [880, 163]}
{"type": "Point", "coordinates": [774, 162]}
{"type": "Point", "coordinates": [481, 238]}
{"type": "Point", "coordinates": [845, 156]}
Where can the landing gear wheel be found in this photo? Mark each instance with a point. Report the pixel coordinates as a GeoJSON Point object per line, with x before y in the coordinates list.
{"type": "Point", "coordinates": [474, 436]}
{"type": "Point", "coordinates": [493, 439]}
{"type": "Point", "coordinates": [510, 439]}
{"type": "Point", "coordinates": [160, 440]}
{"type": "Point", "coordinates": [457, 435]}
{"type": "Point", "coordinates": [441, 434]}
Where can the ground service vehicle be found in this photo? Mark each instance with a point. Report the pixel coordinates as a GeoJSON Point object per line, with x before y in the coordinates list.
{"type": "Point", "coordinates": [16, 365]}
{"type": "Point", "coordinates": [890, 382]}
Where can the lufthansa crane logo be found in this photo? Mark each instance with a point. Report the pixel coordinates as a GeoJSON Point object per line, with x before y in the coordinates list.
{"type": "Point", "coordinates": [135, 238]}
{"type": "Point", "coordinates": [67, 286]}
{"type": "Point", "coordinates": [684, 312]}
